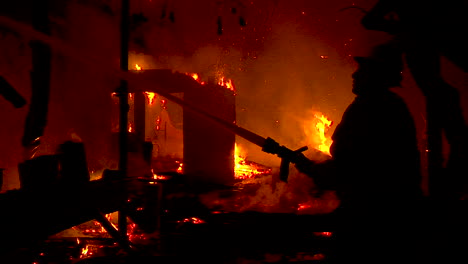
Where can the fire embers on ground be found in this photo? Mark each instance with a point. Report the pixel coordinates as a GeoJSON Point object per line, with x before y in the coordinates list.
{"type": "Point", "coordinates": [269, 195]}
{"type": "Point", "coordinates": [88, 240]}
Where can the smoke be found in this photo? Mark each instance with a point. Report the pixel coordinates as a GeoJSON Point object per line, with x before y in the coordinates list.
{"type": "Point", "coordinates": [269, 195]}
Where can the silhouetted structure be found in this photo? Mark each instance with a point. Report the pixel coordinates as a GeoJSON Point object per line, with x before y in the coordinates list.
{"type": "Point", "coordinates": [426, 31]}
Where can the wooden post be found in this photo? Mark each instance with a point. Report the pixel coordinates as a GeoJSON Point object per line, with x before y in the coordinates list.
{"type": "Point", "coordinates": [36, 118]}
{"type": "Point", "coordinates": [123, 93]}
{"type": "Point", "coordinates": [436, 183]}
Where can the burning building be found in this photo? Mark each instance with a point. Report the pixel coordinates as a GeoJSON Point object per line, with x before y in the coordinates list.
{"type": "Point", "coordinates": [277, 68]}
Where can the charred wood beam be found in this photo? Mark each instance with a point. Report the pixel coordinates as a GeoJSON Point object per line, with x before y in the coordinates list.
{"type": "Point", "coordinates": [10, 94]}
{"type": "Point", "coordinates": [31, 215]}
{"type": "Point", "coordinates": [123, 139]}
{"type": "Point", "coordinates": [40, 78]}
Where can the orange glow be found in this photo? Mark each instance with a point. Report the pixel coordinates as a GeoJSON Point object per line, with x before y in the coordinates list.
{"type": "Point", "coordinates": [304, 206]}
{"type": "Point", "coordinates": [138, 67]}
{"type": "Point", "coordinates": [242, 168]}
{"type": "Point", "coordinates": [130, 127]}
{"type": "Point", "coordinates": [150, 96]}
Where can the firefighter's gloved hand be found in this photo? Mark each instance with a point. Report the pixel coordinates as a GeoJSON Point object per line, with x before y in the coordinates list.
{"type": "Point", "coordinates": [303, 164]}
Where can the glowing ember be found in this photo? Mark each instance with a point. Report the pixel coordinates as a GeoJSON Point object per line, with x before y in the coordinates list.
{"type": "Point", "coordinates": [180, 169]}
{"type": "Point", "coordinates": [304, 206]}
{"type": "Point", "coordinates": [193, 220]}
{"type": "Point", "coordinates": [244, 169]}
{"type": "Point", "coordinates": [160, 177]}
{"type": "Point", "coordinates": [158, 123]}
{"type": "Point", "coordinates": [150, 96]}
{"type": "Point", "coordinates": [138, 67]}
{"type": "Point", "coordinates": [84, 252]}
{"type": "Point", "coordinates": [196, 78]}
{"type": "Point", "coordinates": [323, 234]}
{"type": "Point", "coordinates": [130, 127]}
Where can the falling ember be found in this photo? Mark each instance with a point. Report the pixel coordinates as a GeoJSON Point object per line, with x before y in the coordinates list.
{"type": "Point", "coordinates": [150, 96]}
{"type": "Point", "coordinates": [138, 67]}
{"type": "Point", "coordinates": [322, 126]}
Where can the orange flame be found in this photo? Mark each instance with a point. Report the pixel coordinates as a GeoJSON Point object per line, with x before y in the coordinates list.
{"type": "Point", "coordinates": [138, 67]}
{"type": "Point", "coordinates": [150, 96]}
{"type": "Point", "coordinates": [84, 252]}
{"type": "Point", "coordinates": [243, 170]}
{"type": "Point", "coordinates": [130, 127]}
{"type": "Point", "coordinates": [316, 132]}
{"type": "Point", "coordinates": [226, 83]}
{"type": "Point", "coordinates": [323, 124]}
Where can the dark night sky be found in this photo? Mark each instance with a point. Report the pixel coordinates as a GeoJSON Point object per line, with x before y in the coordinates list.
{"type": "Point", "coordinates": [292, 57]}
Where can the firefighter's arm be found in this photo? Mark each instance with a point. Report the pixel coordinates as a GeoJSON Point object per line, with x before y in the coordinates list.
{"type": "Point", "coordinates": [323, 173]}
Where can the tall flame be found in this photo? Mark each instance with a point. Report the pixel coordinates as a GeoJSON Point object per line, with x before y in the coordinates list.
{"type": "Point", "coordinates": [150, 96]}
{"type": "Point", "coordinates": [316, 132]}
{"type": "Point", "coordinates": [323, 124]}
{"type": "Point", "coordinates": [226, 83]}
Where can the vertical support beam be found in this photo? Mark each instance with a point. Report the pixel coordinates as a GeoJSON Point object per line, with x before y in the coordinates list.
{"type": "Point", "coordinates": [123, 92]}
{"type": "Point", "coordinates": [36, 118]}
{"type": "Point", "coordinates": [436, 183]}
{"type": "Point", "coordinates": [140, 117]}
